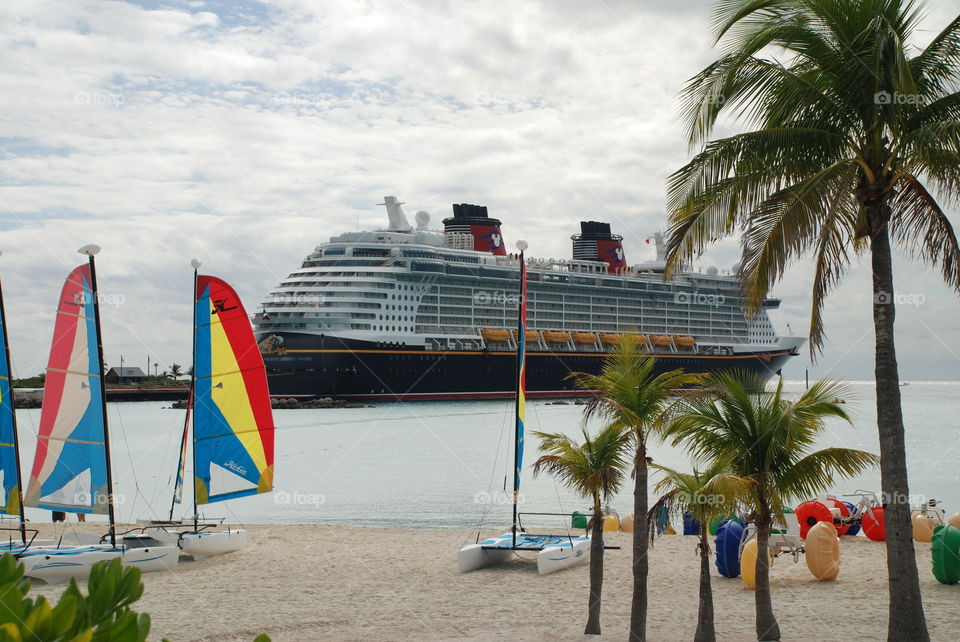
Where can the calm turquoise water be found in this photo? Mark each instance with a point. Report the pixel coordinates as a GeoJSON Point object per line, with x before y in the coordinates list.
{"type": "Point", "coordinates": [443, 465]}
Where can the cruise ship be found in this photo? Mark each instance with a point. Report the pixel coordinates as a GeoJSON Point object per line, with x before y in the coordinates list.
{"type": "Point", "coordinates": [413, 313]}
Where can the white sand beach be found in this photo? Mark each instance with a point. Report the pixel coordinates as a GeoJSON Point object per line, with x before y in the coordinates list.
{"type": "Point", "coordinates": [314, 582]}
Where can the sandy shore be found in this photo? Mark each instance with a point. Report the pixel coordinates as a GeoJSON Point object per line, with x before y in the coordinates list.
{"type": "Point", "coordinates": [312, 582]}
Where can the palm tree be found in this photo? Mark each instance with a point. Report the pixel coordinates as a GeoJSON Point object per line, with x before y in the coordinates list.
{"type": "Point", "coordinates": [176, 371]}
{"type": "Point", "coordinates": [594, 469]}
{"type": "Point", "coordinates": [768, 441]}
{"type": "Point", "coordinates": [854, 135]}
{"type": "Point", "coordinates": [630, 395]}
{"type": "Point", "coordinates": [705, 495]}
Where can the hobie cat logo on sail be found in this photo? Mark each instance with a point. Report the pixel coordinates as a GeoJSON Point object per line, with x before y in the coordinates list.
{"type": "Point", "coordinates": [220, 305]}
{"type": "Point", "coordinates": [235, 467]}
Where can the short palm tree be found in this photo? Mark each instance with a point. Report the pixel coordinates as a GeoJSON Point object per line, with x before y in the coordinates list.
{"type": "Point", "coordinates": [594, 469]}
{"type": "Point", "coordinates": [853, 138]}
{"type": "Point", "coordinates": [632, 393]}
{"type": "Point", "coordinates": [768, 441]}
{"type": "Point", "coordinates": [704, 495]}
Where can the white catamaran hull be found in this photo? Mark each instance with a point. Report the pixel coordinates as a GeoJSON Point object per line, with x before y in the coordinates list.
{"type": "Point", "coordinates": [56, 565]}
{"type": "Point", "coordinates": [198, 545]}
{"type": "Point", "coordinates": [474, 556]}
{"type": "Point", "coordinates": [201, 545]}
{"type": "Point", "coordinates": [557, 558]}
{"type": "Point", "coordinates": [554, 552]}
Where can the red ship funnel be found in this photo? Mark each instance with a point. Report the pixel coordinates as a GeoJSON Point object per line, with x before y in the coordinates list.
{"type": "Point", "coordinates": [596, 243]}
{"type": "Point", "coordinates": [473, 220]}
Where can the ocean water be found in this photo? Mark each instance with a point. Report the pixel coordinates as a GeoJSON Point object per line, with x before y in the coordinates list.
{"type": "Point", "coordinates": [448, 464]}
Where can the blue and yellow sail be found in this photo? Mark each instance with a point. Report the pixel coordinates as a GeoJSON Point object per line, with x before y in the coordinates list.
{"type": "Point", "coordinates": [9, 463]}
{"type": "Point", "coordinates": [233, 422]}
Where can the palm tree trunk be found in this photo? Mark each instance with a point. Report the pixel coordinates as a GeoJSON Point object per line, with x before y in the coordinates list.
{"type": "Point", "coordinates": [705, 629]}
{"type": "Point", "coordinates": [596, 570]}
{"type": "Point", "coordinates": [767, 627]}
{"type": "Point", "coordinates": [641, 565]}
{"type": "Point", "coordinates": [906, 619]}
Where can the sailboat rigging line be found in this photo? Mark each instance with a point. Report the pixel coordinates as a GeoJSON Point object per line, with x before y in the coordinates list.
{"type": "Point", "coordinates": [493, 472]}
{"type": "Point", "coordinates": [179, 480]}
{"type": "Point", "coordinates": [13, 418]}
{"type": "Point", "coordinates": [133, 470]}
{"type": "Point", "coordinates": [103, 400]}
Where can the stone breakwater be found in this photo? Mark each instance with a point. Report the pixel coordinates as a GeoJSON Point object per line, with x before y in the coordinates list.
{"type": "Point", "coordinates": [289, 403]}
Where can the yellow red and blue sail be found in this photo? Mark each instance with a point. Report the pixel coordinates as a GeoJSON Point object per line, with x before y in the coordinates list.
{"type": "Point", "coordinates": [9, 468]}
{"type": "Point", "coordinates": [233, 423]}
{"type": "Point", "coordinates": [70, 466]}
{"type": "Point", "coordinates": [521, 377]}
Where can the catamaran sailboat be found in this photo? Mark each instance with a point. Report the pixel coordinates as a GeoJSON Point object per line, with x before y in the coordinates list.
{"type": "Point", "coordinates": [71, 469]}
{"type": "Point", "coordinates": [232, 420]}
{"type": "Point", "coordinates": [554, 552]}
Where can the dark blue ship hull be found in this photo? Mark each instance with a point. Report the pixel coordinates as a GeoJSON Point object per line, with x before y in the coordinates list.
{"type": "Point", "coordinates": [312, 366]}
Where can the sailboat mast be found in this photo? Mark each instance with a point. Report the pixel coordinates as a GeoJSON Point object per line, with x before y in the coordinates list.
{"type": "Point", "coordinates": [193, 378]}
{"type": "Point", "coordinates": [13, 417]}
{"type": "Point", "coordinates": [90, 251]}
{"type": "Point", "coordinates": [521, 355]}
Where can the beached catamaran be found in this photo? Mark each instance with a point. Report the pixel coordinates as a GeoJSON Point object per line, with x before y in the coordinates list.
{"type": "Point", "coordinates": [232, 419]}
{"type": "Point", "coordinates": [71, 469]}
{"type": "Point", "coordinates": [554, 552]}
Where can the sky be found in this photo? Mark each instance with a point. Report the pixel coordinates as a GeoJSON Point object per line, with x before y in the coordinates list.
{"type": "Point", "coordinates": [245, 133]}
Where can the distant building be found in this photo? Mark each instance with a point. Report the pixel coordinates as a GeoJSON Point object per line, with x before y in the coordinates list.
{"type": "Point", "coordinates": [125, 375]}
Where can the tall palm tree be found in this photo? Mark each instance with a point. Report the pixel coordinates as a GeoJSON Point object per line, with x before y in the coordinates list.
{"type": "Point", "coordinates": [630, 395]}
{"type": "Point", "coordinates": [853, 135]}
{"type": "Point", "coordinates": [594, 469]}
{"type": "Point", "coordinates": [705, 495]}
{"type": "Point", "coordinates": [768, 441]}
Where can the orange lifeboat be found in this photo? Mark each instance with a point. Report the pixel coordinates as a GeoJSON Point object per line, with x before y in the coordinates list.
{"type": "Point", "coordinates": [584, 338]}
{"type": "Point", "coordinates": [494, 335]}
{"type": "Point", "coordinates": [684, 342]}
{"type": "Point", "coordinates": [609, 338]}
{"type": "Point", "coordinates": [530, 336]}
{"type": "Point", "coordinates": [661, 341]}
{"type": "Point", "coordinates": [555, 336]}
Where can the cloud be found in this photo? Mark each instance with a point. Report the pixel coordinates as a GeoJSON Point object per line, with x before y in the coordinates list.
{"type": "Point", "coordinates": [246, 133]}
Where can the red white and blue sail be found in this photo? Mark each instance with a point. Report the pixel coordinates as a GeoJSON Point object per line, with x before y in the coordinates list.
{"type": "Point", "coordinates": [521, 378]}
{"type": "Point", "coordinates": [233, 422]}
{"type": "Point", "coordinates": [9, 470]}
{"type": "Point", "coordinates": [70, 467]}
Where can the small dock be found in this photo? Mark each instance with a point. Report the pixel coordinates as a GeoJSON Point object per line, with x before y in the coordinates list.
{"type": "Point", "coordinates": [33, 397]}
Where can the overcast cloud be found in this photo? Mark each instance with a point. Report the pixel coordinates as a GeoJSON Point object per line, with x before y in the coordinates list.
{"type": "Point", "coordinates": [245, 133]}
